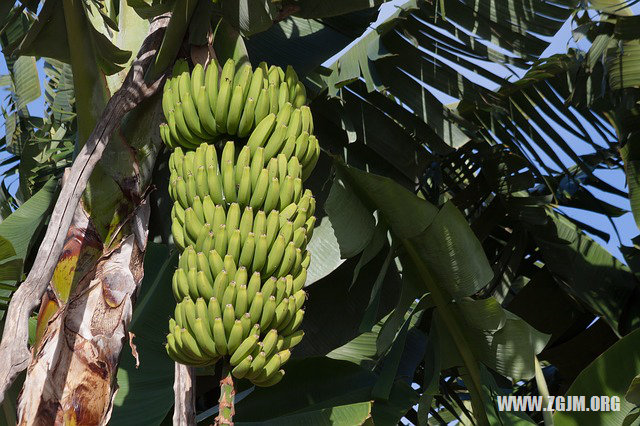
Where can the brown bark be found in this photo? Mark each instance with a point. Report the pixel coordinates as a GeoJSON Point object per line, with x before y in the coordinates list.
{"type": "Point", "coordinates": [184, 408]}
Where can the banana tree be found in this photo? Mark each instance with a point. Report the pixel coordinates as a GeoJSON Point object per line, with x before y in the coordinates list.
{"type": "Point", "coordinates": [446, 274]}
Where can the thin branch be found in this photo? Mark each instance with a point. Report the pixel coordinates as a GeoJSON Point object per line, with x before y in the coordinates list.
{"type": "Point", "coordinates": [14, 348]}
{"type": "Point", "coordinates": [227, 395]}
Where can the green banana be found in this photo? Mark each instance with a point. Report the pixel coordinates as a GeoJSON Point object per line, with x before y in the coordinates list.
{"type": "Point", "coordinates": [246, 120]}
{"type": "Point", "coordinates": [211, 83]}
{"type": "Point", "coordinates": [215, 185]}
{"type": "Point", "coordinates": [293, 339]}
{"type": "Point", "coordinates": [302, 142]}
{"type": "Point", "coordinates": [211, 158]}
{"type": "Point", "coordinates": [248, 249]}
{"type": "Point", "coordinates": [244, 349]}
{"type": "Point", "coordinates": [204, 339]}
{"type": "Point", "coordinates": [273, 195]}
{"type": "Point", "coordinates": [257, 365]}
{"type": "Point", "coordinates": [213, 310]}
{"type": "Point", "coordinates": [243, 79]}
{"type": "Point", "coordinates": [283, 94]}
{"type": "Point", "coordinates": [255, 86]}
{"type": "Point", "coordinates": [235, 336]}
{"type": "Point", "coordinates": [268, 312]}
{"type": "Point", "coordinates": [273, 226]}
{"type": "Point", "coordinates": [262, 106]}
{"type": "Point", "coordinates": [236, 107]}
{"type": "Point", "coordinates": [260, 223]}
{"type": "Point", "coordinates": [189, 107]}
{"type": "Point", "coordinates": [220, 285]}
{"type": "Point", "coordinates": [184, 131]}
{"type": "Point", "coordinates": [203, 285]}
{"type": "Point", "coordinates": [208, 207]}
{"type": "Point", "coordinates": [261, 132]}
{"type": "Point", "coordinates": [246, 223]}
{"type": "Point", "coordinates": [255, 310]}
{"type": "Point", "coordinates": [311, 163]}
{"type": "Point", "coordinates": [234, 245]}
{"type": "Point", "coordinates": [215, 263]}
{"type": "Point", "coordinates": [229, 182]}
{"type": "Point", "coordinates": [281, 287]}
{"type": "Point", "coordinates": [242, 368]}
{"type": "Point", "coordinates": [229, 296]}
{"type": "Point", "coordinates": [219, 216]}
{"type": "Point", "coordinates": [307, 119]}
{"type": "Point", "coordinates": [299, 96]}
{"type": "Point", "coordinates": [291, 78]}
{"type": "Point", "coordinates": [260, 190]}
{"type": "Point", "coordinates": [274, 379]}
{"type": "Point", "coordinates": [286, 192]}
{"type": "Point", "coordinates": [221, 110]}
{"type": "Point", "coordinates": [241, 301]}
{"type": "Point", "coordinates": [204, 112]}
{"type": "Point", "coordinates": [269, 287]}
{"type": "Point", "coordinates": [219, 336]}
{"type": "Point", "coordinates": [178, 234]}
{"type": "Point", "coordinates": [253, 286]}
{"type": "Point", "coordinates": [244, 187]}
{"type": "Point", "coordinates": [295, 123]}
{"type": "Point", "coordinates": [275, 141]}
{"type": "Point", "coordinates": [228, 318]}
{"type": "Point", "coordinates": [196, 205]}
{"type": "Point", "coordinates": [229, 266]}
{"type": "Point", "coordinates": [275, 255]}
{"type": "Point", "coordinates": [287, 231]}
{"type": "Point", "coordinates": [284, 114]}
{"type": "Point", "coordinates": [245, 320]}
{"type": "Point", "coordinates": [299, 280]}
{"type": "Point", "coordinates": [190, 182]}
{"type": "Point", "coordinates": [269, 342]}
{"type": "Point", "coordinates": [197, 78]}
{"type": "Point", "coordinates": [273, 76]}
{"type": "Point", "coordinates": [233, 217]}
{"type": "Point", "coordinates": [260, 255]}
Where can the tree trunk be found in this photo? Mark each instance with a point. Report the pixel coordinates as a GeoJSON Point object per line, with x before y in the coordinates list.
{"type": "Point", "coordinates": [184, 407]}
{"type": "Point", "coordinates": [71, 379]}
{"type": "Point", "coordinates": [87, 307]}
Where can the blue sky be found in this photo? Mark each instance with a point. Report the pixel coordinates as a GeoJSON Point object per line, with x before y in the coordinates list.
{"type": "Point", "coordinates": [625, 224]}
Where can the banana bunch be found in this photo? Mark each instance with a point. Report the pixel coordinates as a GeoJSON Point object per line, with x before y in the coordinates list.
{"type": "Point", "coordinates": [208, 197]}
{"type": "Point", "coordinates": [241, 219]}
{"type": "Point", "coordinates": [241, 274]}
{"type": "Point", "coordinates": [203, 105]}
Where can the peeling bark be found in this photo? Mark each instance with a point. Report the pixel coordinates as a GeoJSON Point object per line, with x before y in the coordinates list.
{"type": "Point", "coordinates": [14, 349]}
{"type": "Point", "coordinates": [71, 378]}
{"type": "Point", "coordinates": [184, 408]}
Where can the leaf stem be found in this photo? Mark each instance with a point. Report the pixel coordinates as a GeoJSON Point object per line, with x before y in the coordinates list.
{"type": "Point", "coordinates": [474, 384]}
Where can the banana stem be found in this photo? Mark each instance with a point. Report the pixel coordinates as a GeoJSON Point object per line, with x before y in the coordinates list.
{"type": "Point", "coordinates": [227, 394]}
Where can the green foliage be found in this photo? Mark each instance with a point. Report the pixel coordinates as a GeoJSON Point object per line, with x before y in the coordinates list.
{"type": "Point", "coordinates": [610, 374]}
{"type": "Point", "coordinates": [443, 262]}
{"type": "Point", "coordinates": [18, 233]}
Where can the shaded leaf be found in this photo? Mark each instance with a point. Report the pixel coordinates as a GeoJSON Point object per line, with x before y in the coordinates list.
{"type": "Point", "coordinates": [145, 393]}
{"type": "Point", "coordinates": [343, 415]}
{"type": "Point", "coordinates": [610, 374]}
{"type": "Point", "coordinates": [23, 224]}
